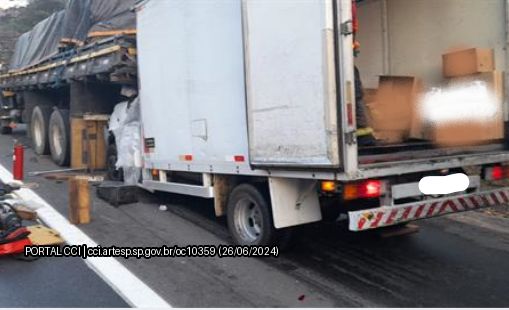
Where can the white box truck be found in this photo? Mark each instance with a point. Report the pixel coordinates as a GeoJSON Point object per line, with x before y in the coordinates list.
{"type": "Point", "coordinates": [251, 103]}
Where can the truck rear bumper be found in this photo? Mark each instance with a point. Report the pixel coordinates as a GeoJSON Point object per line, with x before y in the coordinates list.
{"type": "Point", "coordinates": [391, 215]}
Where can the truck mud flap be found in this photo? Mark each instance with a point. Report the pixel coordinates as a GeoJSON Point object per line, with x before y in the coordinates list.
{"type": "Point", "coordinates": [391, 215]}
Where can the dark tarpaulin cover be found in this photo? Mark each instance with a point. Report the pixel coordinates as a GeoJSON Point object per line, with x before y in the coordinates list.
{"type": "Point", "coordinates": [86, 16]}
{"type": "Point", "coordinates": [74, 23]}
{"type": "Point", "coordinates": [39, 43]}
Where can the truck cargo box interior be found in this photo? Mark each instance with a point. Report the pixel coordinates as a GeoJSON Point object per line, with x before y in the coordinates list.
{"type": "Point", "coordinates": [399, 69]}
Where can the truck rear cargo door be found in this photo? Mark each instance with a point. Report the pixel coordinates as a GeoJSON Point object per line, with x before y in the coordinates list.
{"type": "Point", "coordinates": [291, 83]}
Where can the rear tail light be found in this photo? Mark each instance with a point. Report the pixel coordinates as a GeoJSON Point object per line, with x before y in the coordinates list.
{"type": "Point", "coordinates": [496, 173]}
{"type": "Point", "coordinates": [364, 189]}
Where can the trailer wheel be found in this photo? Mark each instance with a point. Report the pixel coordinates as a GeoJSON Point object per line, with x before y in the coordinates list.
{"type": "Point", "coordinates": [39, 129]}
{"type": "Point", "coordinates": [249, 217]}
{"type": "Point", "coordinates": [59, 137]}
{"type": "Point", "coordinates": [113, 173]}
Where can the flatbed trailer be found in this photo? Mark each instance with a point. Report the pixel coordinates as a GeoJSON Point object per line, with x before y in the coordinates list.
{"type": "Point", "coordinates": [71, 83]}
{"type": "Point", "coordinates": [112, 58]}
{"type": "Point", "coordinates": [254, 107]}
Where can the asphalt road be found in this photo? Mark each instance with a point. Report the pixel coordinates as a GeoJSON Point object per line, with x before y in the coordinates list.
{"type": "Point", "coordinates": [452, 262]}
{"type": "Point", "coordinates": [53, 283]}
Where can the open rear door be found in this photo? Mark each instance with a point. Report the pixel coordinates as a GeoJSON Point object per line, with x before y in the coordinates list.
{"type": "Point", "coordinates": [291, 77]}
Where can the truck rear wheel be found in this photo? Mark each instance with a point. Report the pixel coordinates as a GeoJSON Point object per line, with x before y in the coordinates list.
{"type": "Point", "coordinates": [59, 137]}
{"type": "Point", "coordinates": [39, 129]}
{"type": "Point", "coordinates": [250, 217]}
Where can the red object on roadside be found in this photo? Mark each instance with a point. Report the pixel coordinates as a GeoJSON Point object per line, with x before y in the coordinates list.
{"type": "Point", "coordinates": [18, 162]}
{"type": "Point", "coordinates": [15, 247]}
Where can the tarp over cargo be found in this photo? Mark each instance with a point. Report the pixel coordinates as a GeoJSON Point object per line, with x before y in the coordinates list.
{"type": "Point", "coordinates": [75, 23]}
{"type": "Point", "coordinates": [84, 17]}
{"type": "Point", "coordinates": [39, 43]}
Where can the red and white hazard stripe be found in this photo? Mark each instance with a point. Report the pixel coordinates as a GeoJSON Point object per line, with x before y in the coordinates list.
{"type": "Point", "coordinates": [391, 215]}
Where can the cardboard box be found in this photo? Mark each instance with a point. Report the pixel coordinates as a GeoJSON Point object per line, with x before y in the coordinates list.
{"type": "Point", "coordinates": [392, 106]}
{"type": "Point", "coordinates": [390, 136]}
{"type": "Point", "coordinates": [494, 79]}
{"type": "Point", "coordinates": [88, 143]}
{"type": "Point", "coordinates": [389, 108]}
{"type": "Point", "coordinates": [418, 129]}
{"type": "Point", "coordinates": [475, 132]}
{"type": "Point", "coordinates": [468, 61]}
{"type": "Point", "coordinates": [466, 133]}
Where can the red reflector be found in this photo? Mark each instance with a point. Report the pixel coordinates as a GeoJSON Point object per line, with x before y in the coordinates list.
{"type": "Point", "coordinates": [370, 189]}
{"type": "Point", "coordinates": [239, 158]}
{"type": "Point", "coordinates": [349, 113]}
{"type": "Point", "coordinates": [497, 173]}
{"type": "Point", "coordinates": [186, 157]}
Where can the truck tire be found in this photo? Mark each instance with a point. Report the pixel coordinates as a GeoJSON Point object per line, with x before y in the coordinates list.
{"type": "Point", "coordinates": [59, 140]}
{"type": "Point", "coordinates": [249, 217]}
{"type": "Point", "coordinates": [113, 174]}
{"type": "Point", "coordinates": [39, 122]}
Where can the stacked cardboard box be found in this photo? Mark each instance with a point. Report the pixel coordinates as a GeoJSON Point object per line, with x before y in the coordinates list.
{"type": "Point", "coordinates": [460, 68]}
{"type": "Point", "coordinates": [390, 107]}
{"type": "Point", "coordinates": [468, 61]}
{"type": "Point", "coordinates": [394, 108]}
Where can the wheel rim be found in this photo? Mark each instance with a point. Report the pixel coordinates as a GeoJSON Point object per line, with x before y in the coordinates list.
{"type": "Point", "coordinates": [248, 220]}
{"type": "Point", "coordinates": [38, 132]}
{"type": "Point", "coordinates": [57, 140]}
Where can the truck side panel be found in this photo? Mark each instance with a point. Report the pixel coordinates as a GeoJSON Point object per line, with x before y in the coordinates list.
{"type": "Point", "coordinates": [192, 81]}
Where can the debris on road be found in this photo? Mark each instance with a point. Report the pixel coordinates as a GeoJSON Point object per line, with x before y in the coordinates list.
{"type": "Point", "coordinates": [68, 176]}
{"type": "Point", "coordinates": [13, 235]}
{"type": "Point", "coordinates": [79, 200]}
{"type": "Point", "coordinates": [41, 235]}
{"type": "Point", "coordinates": [40, 173]}
{"type": "Point", "coordinates": [117, 193]}
{"type": "Point", "coordinates": [24, 212]}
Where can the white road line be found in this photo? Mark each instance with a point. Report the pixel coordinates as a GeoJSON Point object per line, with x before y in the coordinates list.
{"type": "Point", "coordinates": [125, 283]}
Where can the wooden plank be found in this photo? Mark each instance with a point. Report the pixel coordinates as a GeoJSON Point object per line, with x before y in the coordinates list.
{"type": "Point", "coordinates": [96, 117]}
{"type": "Point", "coordinates": [79, 200]}
{"type": "Point", "coordinates": [7, 93]}
{"type": "Point", "coordinates": [68, 176]}
{"type": "Point", "coordinates": [111, 33]}
{"type": "Point", "coordinates": [73, 202]}
{"type": "Point", "coordinates": [88, 143]}
{"type": "Point", "coordinates": [77, 134]}
{"type": "Point", "coordinates": [101, 144]}
{"type": "Point", "coordinates": [91, 144]}
{"type": "Point", "coordinates": [96, 143]}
